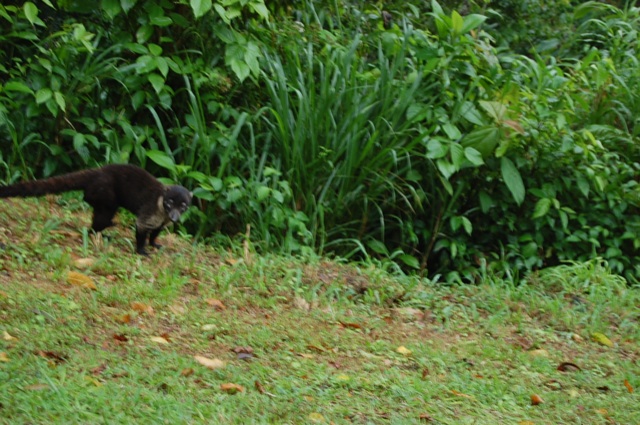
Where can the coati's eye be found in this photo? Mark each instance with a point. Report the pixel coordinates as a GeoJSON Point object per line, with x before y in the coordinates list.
{"type": "Point", "coordinates": [183, 207]}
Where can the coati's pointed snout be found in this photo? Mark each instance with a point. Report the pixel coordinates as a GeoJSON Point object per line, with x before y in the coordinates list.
{"type": "Point", "coordinates": [174, 215]}
{"type": "Point", "coordinates": [176, 201]}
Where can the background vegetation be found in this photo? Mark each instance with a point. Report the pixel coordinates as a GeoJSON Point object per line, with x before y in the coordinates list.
{"type": "Point", "coordinates": [453, 137]}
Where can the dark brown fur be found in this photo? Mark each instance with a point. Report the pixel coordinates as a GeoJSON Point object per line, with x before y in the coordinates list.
{"type": "Point", "coordinates": [116, 186]}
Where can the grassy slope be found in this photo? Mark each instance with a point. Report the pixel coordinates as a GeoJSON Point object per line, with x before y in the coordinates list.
{"type": "Point", "coordinates": [325, 337]}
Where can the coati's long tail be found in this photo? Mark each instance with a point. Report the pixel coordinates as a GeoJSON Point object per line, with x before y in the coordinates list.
{"type": "Point", "coordinates": [58, 184]}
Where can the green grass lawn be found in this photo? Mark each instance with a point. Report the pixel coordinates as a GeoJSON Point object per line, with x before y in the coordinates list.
{"type": "Point", "coordinates": [294, 340]}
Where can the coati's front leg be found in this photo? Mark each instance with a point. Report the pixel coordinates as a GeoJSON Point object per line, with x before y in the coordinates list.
{"type": "Point", "coordinates": [142, 234]}
{"type": "Point", "coordinates": [152, 238]}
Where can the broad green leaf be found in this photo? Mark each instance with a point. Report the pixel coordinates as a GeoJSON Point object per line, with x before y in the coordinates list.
{"type": "Point", "coordinates": [154, 49]}
{"type": "Point", "coordinates": [378, 247]}
{"type": "Point", "coordinates": [127, 5]}
{"type": "Point", "coordinates": [262, 193]}
{"type": "Point", "coordinates": [156, 81]}
{"type": "Point", "coordinates": [457, 155]}
{"type": "Point", "coordinates": [473, 156]}
{"type": "Point", "coordinates": [436, 149]}
{"type": "Point", "coordinates": [200, 7]}
{"type": "Point", "coordinates": [240, 68]}
{"type": "Point", "coordinates": [162, 65]}
{"type": "Point", "coordinates": [468, 227]}
{"type": "Point", "coordinates": [111, 7]}
{"type": "Point", "coordinates": [496, 110]}
{"type": "Point", "coordinates": [43, 95]}
{"type": "Point", "coordinates": [260, 8]}
{"type": "Point", "coordinates": [513, 180]}
{"type": "Point", "coordinates": [542, 208]}
{"type": "Point", "coordinates": [18, 86]}
{"type": "Point", "coordinates": [60, 100]}
{"type": "Point", "coordinates": [483, 139]}
{"type": "Point", "coordinates": [143, 35]}
{"type": "Point", "coordinates": [161, 21]}
{"type": "Point", "coordinates": [456, 22]}
{"type": "Point", "coordinates": [452, 131]}
{"type": "Point", "coordinates": [30, 12]}
{"type": "Point", "coordinates": [162, 159]}
{"type": "Point", "coordinates": [446, 168]}
{"type": "Point", "coordinates": [409, 260]}
{"type": "Point", "coordinates": [472, 21]}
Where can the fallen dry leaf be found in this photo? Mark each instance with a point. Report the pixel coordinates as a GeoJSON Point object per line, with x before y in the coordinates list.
{"type": "Point", "coordinates": [216, 304]}
{"type": "Point", "coordinates": [628, 385]}
{"type": "Point", "coordinates": [159, 340]}
{"type": "Point", "coordinates": [120, 337]}
{"type": "Point", "coordinates": [84, 262]}
{"type": "Point", "coordinates": [536, 400]}
{"type": "Point", "coordinates": [350, 325]}
{"type": "Point", "coordinates": [316, 417]}
{"type": "Point", "coordinates": [142, 308]}
{"type": "Point", "coordinates": [3, 357]}
{"type": "Point", "coordinates": [209, 363]}
{"type": "Point", "coordinates": [7, 337]}
{"type": "Point", "coordinates": [459, 394]}
{"type": "Point", "coordinates": [231, 388]}
{"type": "Point", "coordinates": [426, 417]}
{"type": "Point", "coordinates": [525, 423]}
{"type": "Point", "coordinates": [82, 280]}
{"type": "Point", "coordinates": [125, 318]}
{"type": "Point", "coordinates": [259, 387]}
{"type": "Point", "coordinates": [539, 353]}
{"type": "Point", "coordinates": [403, 350]}
{"type": "Point", "coordinates": [601, 339]}
{"type": "Point", "coordinates": [187, 372]}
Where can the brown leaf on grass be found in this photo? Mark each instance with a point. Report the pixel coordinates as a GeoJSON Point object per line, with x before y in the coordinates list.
{"type": "Point", "coordinates": [231, 388]}
{"type": "Point", "coordinates": [124, 318]}
{"type": "Point", "coordinates": [526, 423]}
{"type": "Point", "coordinates": [53, 356]}
{"type": "Point", "coordinates": [425, 373]}
{"type": "Point", "coordinates": [216, 304]}
{"type": "Point", "coordinates": [187, 372]}
{"type": "Point", "coordinates": [159, 339]}
{"type": "Point", "coordinates": [316, 348]}
{"type": "Point", "coordinates": [98, 369]}
{"type": "Point", "coordinates": [536, 400]}
{"type": "Point", "coordinates": [142, 308]}
{"type": "Point", "coordinates": [601, 339]}
{"type": "Point", "coordinates": [3, 357]}
{"type": "Point", "coordinates": [568, 367]}
{"type": "Point", "coordinates": [259, 387]}
{"type": "Point", "coordinates": [425, 417]}
{"type": "Point", "coordinates": [459, 394]}
{"type": "Point", "coordinates": [209, 363]}
{"type": "Point", "coordinates": [350, 325]}
{"type": "Point", "coordinates": [120, 337]}
{"type": "Point", "coordinates": [81, 280]}
{"type": "Point", "coordinates": [628, 385]}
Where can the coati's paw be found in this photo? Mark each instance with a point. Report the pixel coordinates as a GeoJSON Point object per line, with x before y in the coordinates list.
{"type": "Point", "coordinates": [142, 251]}
{"type": "Point", "coordinates": [156, 245]}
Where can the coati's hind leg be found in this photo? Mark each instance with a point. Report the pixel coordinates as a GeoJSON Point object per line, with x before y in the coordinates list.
{"type": "Point", "coordinates": [102, 218]}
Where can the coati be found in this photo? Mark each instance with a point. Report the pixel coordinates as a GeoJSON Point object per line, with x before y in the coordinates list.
{"type": "Point", "coordinates": [113, 186]}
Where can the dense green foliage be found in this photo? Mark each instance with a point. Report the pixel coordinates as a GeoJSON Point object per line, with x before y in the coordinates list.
{"type": "Point", "coordinates": [494, 134]}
